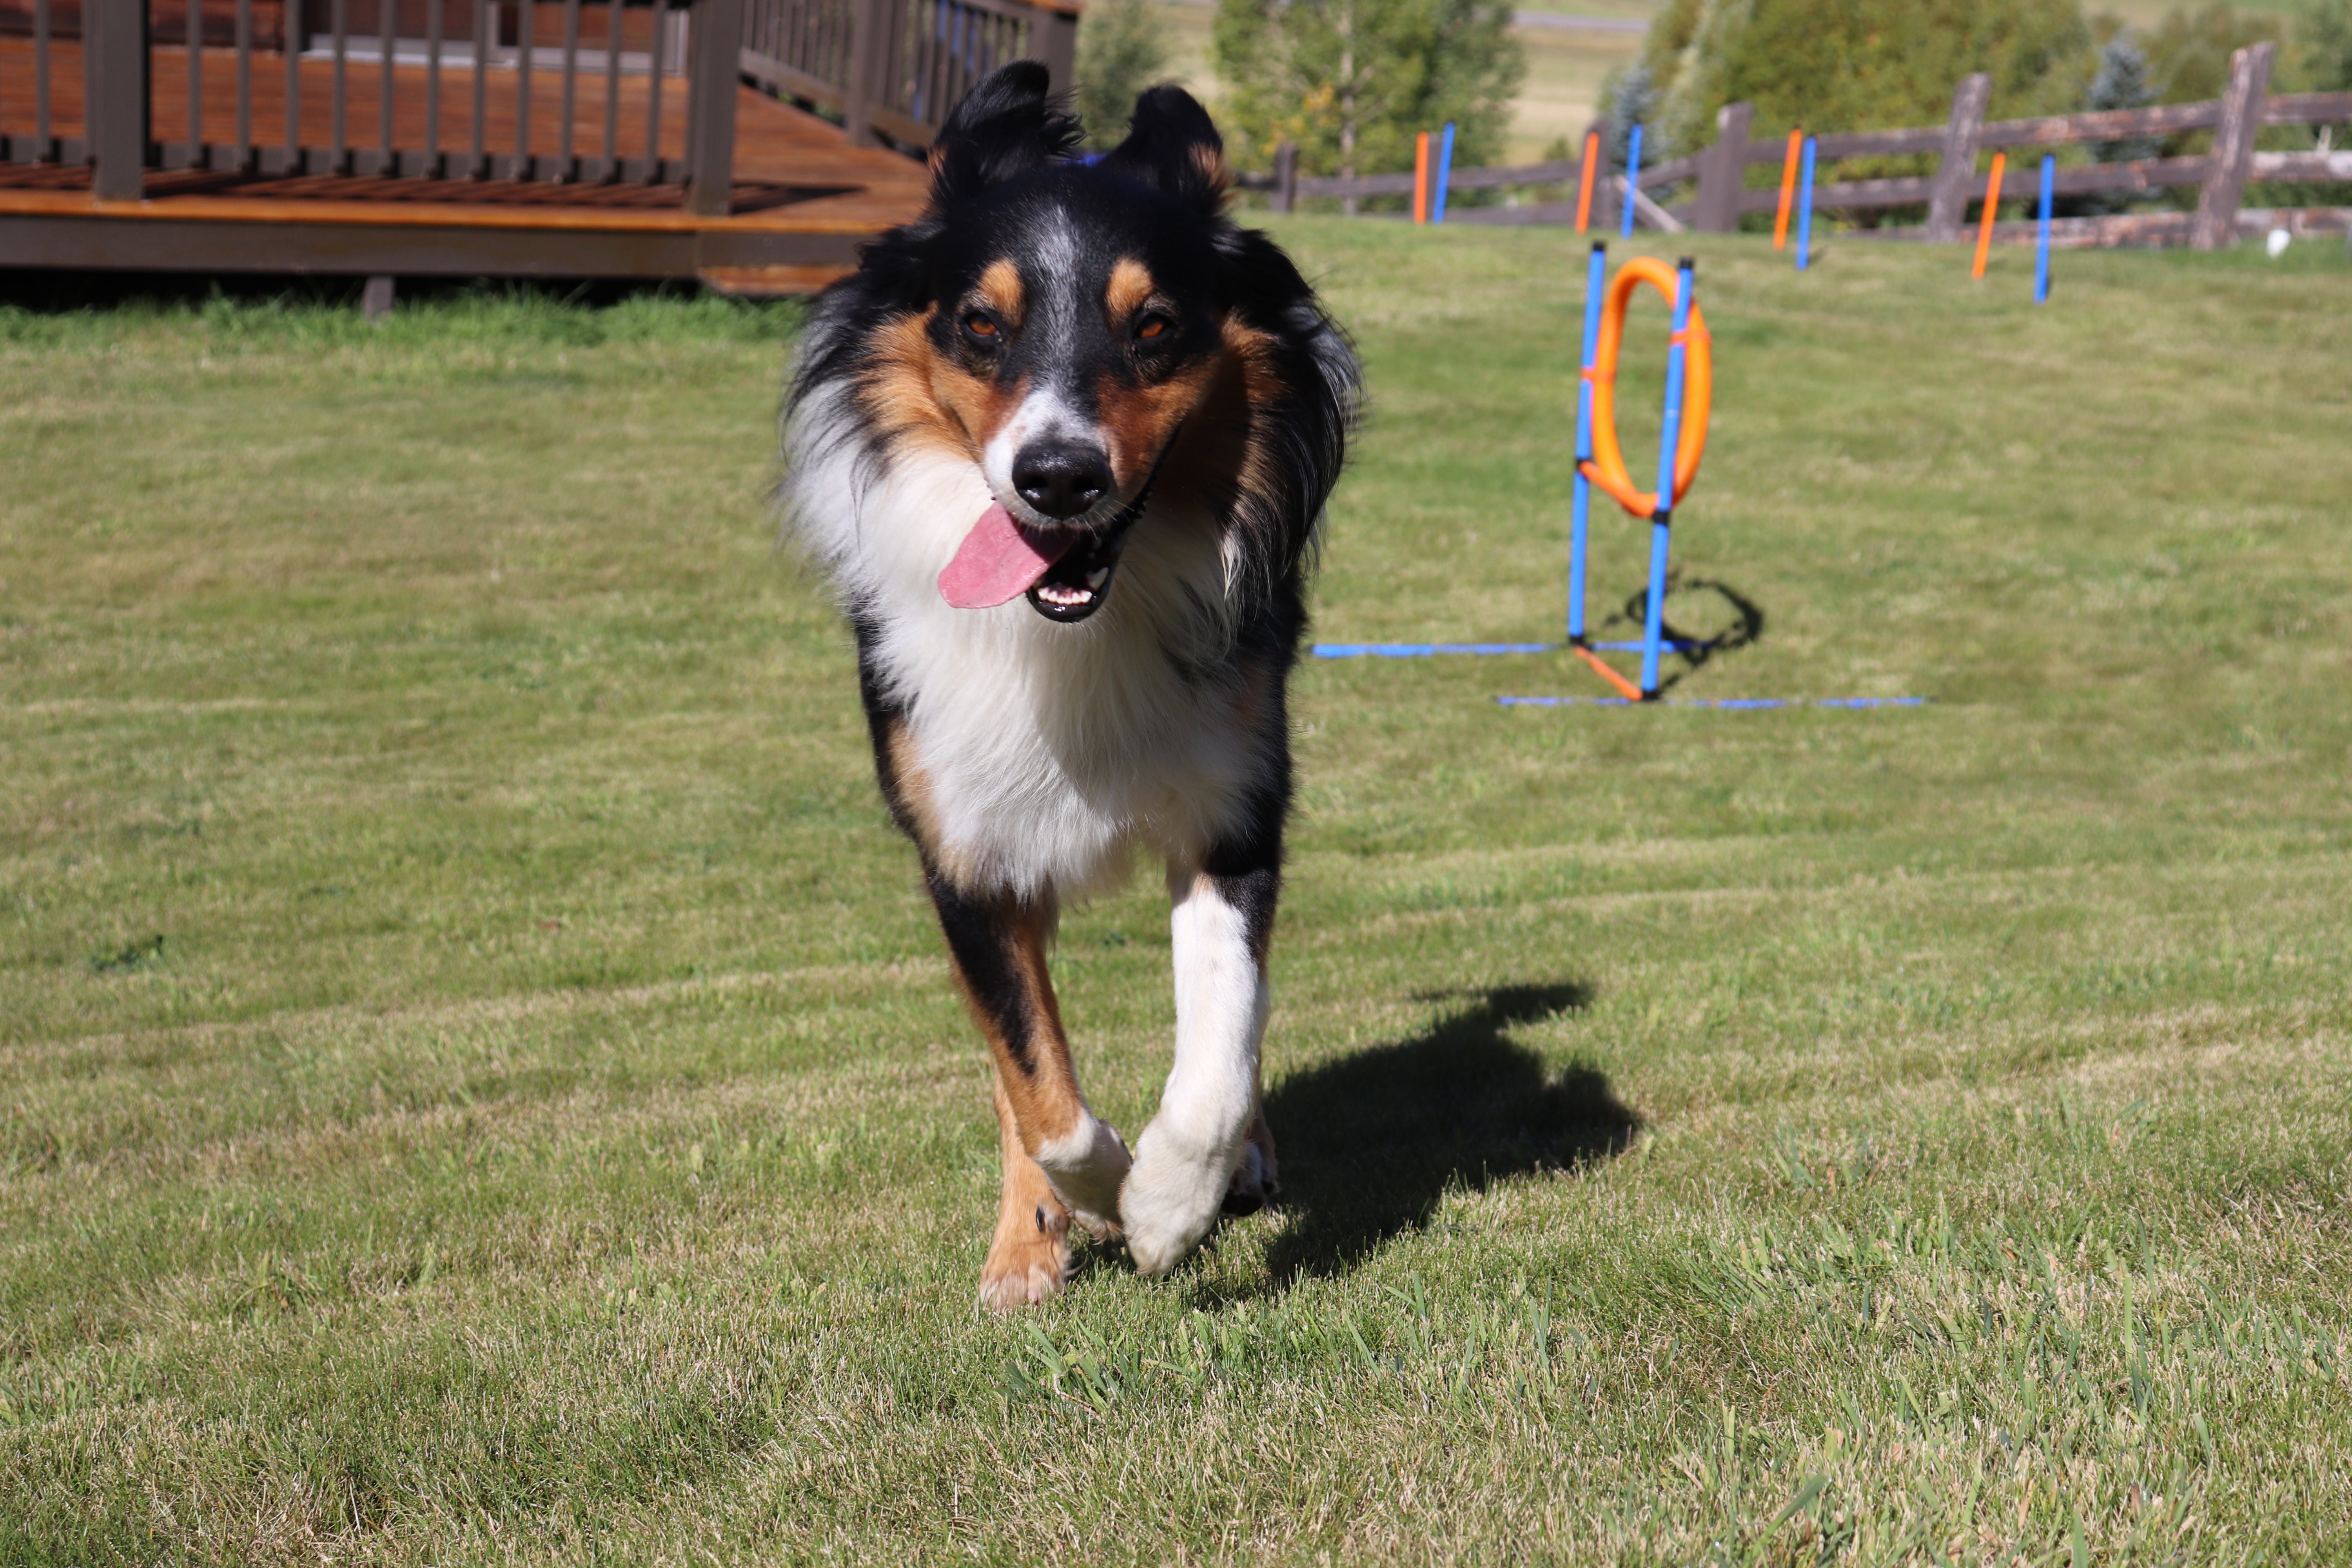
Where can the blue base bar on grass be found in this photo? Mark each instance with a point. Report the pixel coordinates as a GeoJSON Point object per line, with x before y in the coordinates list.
{"type": "Point", "coordinates": [1741, 702]}
{"type": "Point", "coordinates": [1431, 650]}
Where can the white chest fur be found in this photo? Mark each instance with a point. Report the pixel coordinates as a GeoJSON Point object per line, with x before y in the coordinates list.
{"type": "Point", "coordinates": [1046, 751]}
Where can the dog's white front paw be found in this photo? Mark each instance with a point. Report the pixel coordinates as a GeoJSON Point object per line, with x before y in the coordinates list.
{"type": "Point", "coordinates": [1171, 1196]}
{"type": "Point", "coordinates": [1085, 1166]}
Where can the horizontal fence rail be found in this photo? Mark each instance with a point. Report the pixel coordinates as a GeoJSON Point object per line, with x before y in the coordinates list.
{"type": "Point", "coordinates": [1721, 194]}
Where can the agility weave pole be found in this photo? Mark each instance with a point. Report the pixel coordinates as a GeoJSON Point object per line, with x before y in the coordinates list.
{"type": "Point", "coordinates": [1991, 206]}
{"type": "Point", "coordinates": [1787, 189]}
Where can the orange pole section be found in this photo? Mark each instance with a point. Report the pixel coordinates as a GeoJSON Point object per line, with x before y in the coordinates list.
{"type": "Point", "coordinates": [1992, 206]}
{"type": "Point", "coordinates": [1787, 188]}
{"type": "Point", "coordinates": [1584, 182]}
{"type": "Point", "coordinates": [1626, 689]}
{"type": "Point", "coordinates": [1420, 178]}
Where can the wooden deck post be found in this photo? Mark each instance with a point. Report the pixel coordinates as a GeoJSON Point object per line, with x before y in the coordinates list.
{"type": "Point", "coordinates": [1285, 177]}
{"type": "Point", "coordinates": [119, 133]}
{"type": "Point", "coordinates": [1722, 171]}
{"type": "Point", "coordinates": [2216, 224]}
{"type": "Point", "coordinates": [1947, 201]}
{"type": "Point", "coordinates": [714, 51]}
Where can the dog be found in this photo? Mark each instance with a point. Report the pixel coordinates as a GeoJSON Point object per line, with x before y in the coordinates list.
{"type": "Point", "coordinates": [1062, 447]}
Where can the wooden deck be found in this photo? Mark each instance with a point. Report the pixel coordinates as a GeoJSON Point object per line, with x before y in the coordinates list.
{"type": "Point", "coordinates": [803, 197]}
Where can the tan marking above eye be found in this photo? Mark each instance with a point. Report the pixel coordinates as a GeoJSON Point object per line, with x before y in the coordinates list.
{"type": "Point", "coordinates": [999, 292]}
{"type": "Point", "coordinates": [1129, 291]}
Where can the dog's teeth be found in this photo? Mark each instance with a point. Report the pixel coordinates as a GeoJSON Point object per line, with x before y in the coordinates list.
{"type": "Point", "coordinates": [1098, 577]}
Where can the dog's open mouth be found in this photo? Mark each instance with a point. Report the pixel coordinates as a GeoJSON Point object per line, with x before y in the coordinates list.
{"type": "Point", "coordinates": [1067, 574]}
{"type": "Point", "coordinates": [1075, 586]}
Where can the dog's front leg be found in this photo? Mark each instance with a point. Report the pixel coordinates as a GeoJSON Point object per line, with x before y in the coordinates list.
{"type": "Point", "coordinates": [1061, 1161]}
{"type": "Point", "coordinates": [1186, 1160]}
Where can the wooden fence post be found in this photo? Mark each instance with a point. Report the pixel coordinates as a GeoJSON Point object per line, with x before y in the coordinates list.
{"type": "Point", "coordinates": [714, 58]}
{"type": "Point", "coordinates": [1722, 171]}
{"type": "Point", "coordinates": [1947, 201]}
{"type": "Point", "coordinates": [118, 131]}
{"type": "Point", "coordinates": [1285, 177]}
{"type": "Point", "coordinates": [2216, 223]}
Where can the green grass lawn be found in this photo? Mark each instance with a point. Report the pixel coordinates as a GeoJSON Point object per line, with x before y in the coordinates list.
{"type": "Point", "coordinates": [481, 1086]}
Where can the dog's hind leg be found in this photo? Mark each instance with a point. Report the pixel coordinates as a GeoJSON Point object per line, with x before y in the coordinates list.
{"type": "Point", "coordinates": [1186, 1161]}
{"type": "Point", "coordinates": [1061, 1162]}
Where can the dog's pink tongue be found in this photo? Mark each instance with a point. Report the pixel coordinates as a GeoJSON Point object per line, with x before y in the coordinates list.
{"type": "Point", "coordinates": [997, 562]}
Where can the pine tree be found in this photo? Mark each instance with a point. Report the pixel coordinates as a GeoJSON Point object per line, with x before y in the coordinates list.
{"type": "Point", "coordinates": [1633, 100]}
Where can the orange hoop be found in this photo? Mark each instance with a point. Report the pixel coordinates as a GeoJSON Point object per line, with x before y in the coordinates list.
{"type": "Point", "coordinates": [1607, 467]}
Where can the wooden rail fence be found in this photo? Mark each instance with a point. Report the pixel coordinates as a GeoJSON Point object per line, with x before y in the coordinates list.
{"type": "Point", "coordinates": [1721, 193]}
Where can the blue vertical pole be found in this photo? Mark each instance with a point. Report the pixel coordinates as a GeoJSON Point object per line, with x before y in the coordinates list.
{"type": "Point", "coordinates": [1805, 210]}
{"type": "Point", "coordinates": [2041, 245]}
{"type": "Point", "coordinates": [1670, 435]}
{"type": "Point", "coordinates": [1596, 282]}
{"type": "Point", "coordinates": [1444, 174]}
{"type": "Point", "coordinates": [1632, 177]}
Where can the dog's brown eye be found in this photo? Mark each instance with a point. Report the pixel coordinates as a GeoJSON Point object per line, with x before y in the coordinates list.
{"type": "Point", "coordinates": [1152, 328]}
{"type": "Point", "coordinates": [981, 326]}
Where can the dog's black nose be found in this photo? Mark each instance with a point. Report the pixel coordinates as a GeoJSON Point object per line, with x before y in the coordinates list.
{"type": "Point", "coordinates": [1060, 479]}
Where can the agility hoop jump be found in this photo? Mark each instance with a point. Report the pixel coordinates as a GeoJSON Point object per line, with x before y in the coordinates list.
{"type": "Point", "coordinates": [1601, 460]}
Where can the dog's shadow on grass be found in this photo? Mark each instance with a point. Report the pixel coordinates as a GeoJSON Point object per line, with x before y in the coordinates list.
{"type": "Point", "coordinates": [1369, 1144]}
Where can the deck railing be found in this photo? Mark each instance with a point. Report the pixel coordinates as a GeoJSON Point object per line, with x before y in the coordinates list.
{"type": "Point", "coordinates": [578, 93]}
{"type": "Point", "coordinates": [896, 67]}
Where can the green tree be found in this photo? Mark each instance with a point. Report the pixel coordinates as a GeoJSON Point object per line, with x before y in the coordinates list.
{"type": "Point", "coordinates": [1851, 64]}
{"type": "Point", "coordinates": [1122, 49]}
{"type": "Point", "coordinates": [1350, 81]}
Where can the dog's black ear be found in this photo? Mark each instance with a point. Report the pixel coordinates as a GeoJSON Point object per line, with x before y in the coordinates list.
{"type": "Point", "coordinates": [1173, 144]}
{"type": "Point", "coordinates": [1005, 126]}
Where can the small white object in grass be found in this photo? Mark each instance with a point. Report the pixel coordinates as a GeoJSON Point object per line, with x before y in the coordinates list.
{"type": "Point", "coordinates": [2277, 243]}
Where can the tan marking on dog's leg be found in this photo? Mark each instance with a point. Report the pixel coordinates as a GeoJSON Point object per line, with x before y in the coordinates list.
{"type": "Point", "coordinates": [997, 948]}
{"type": "Point", "coordinates": [1030, 1256]}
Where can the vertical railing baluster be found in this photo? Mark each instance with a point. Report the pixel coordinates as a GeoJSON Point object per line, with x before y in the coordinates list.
{"type": "Point", "coordinates": [241, 158]}
{"type": "Point", "coordinates": [42, 148]}
{"type": "Point", "coordinates": [653, 117]}
{"type": "Point", "coordinates": [387, 35]}
{"type": "Point", "coordinates": [335, 97]}
{"type": "Point", "coordinates": [612, 157]}
{"type": "Point", "coordinates": [289, 25]}
{"type": "Point", "coordinates": [484, 26]}
{"type": "Point", "coordinates": [432, 89]}
{"type": "Point", "coordinates": [194, 30]}
{"type": "Point", "coordinates": [521, 169]}
{"type": "Point", "coordinates": [564, 169]}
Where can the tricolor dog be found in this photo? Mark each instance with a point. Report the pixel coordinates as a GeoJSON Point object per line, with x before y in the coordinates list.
{"type": "Point", "coordinates": [1061, 446]}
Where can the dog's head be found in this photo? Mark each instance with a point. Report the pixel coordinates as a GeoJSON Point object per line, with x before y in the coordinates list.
{"type": "Point", "coordinates": [1089, 333]}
